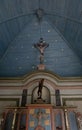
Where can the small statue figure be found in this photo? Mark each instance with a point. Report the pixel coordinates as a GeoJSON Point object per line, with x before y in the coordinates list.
{"type": "Point", "coordinates": [40, 88]}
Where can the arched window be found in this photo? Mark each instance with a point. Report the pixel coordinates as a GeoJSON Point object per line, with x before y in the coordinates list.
{"type": "Point", "coordinates": [45, 95]}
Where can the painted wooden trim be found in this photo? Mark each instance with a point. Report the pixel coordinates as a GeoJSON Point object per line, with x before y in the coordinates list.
{"type": "Point", "coordinates": [61, 82]}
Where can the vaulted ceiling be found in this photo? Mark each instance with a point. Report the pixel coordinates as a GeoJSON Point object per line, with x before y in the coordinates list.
{"type": "Point", "coordinates": [24, 22]}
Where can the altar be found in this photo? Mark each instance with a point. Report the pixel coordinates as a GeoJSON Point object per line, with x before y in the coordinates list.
{"type": "Point", "coordinates": [41, 108]}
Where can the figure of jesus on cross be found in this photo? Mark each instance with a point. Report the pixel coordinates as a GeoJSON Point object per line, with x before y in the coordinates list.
{"type": "Point", "coordinates": [41, 47]}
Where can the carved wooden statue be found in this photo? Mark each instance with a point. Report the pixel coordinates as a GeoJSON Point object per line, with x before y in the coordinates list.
{"type": "Point", "coordinates": [41, 47]}
{"type": "Point", "coordinates": [40, 88]}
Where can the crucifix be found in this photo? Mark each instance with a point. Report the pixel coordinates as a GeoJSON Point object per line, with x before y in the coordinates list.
{"type": "Point", "coordinates": [41, 46]}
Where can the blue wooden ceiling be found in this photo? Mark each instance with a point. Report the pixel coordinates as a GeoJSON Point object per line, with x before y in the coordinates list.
{"type": "Point", "coordinates": [60, 27]}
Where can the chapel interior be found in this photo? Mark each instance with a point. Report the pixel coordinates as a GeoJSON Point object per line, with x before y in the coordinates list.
{"type": "Point", "coordinates": [40, 65]}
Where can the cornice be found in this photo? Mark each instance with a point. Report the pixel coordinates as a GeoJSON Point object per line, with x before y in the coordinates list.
{"type": "Point", "coordinates": [35, 75]}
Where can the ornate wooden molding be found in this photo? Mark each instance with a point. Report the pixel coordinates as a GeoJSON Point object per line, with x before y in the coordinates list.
{"type": "Point", "coordinates": [61, 82]}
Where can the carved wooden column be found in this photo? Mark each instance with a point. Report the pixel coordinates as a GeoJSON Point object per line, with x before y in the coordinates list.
{"type": "Point", "coordinates": [63, 121]}
{"type": "Point", "coordinates": [3, 120]}
{"type": "Point", "coordinates": [14, 118]}
{"type": "Point", "coordinates": [67, 109]}
{"type": "Point", "coordinates": [66, 119]}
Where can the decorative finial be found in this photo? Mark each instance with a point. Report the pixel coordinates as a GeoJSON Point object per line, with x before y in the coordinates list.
{"type": "Point", "coordinates": [39, 13]}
